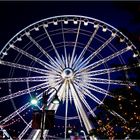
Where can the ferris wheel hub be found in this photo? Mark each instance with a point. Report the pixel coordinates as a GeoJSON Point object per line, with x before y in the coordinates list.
{"type": "Point", "coordinates": [67, 73]}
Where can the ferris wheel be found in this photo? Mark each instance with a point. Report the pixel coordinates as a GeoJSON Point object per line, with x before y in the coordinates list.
{"type": "Point", "coordinates": [85, 59]}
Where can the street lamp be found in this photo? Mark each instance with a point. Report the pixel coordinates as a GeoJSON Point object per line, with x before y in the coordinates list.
{"type": "Point", "coordinates": [82, 131]}
{"type": "Point", "coordinates": [42, 117]}
{"type": "Point", "coordinates": [34, 101]}
{"type": "Point", "coordinates": [55, 100]}
{"type": "Point", "coordinates": [69, 131]}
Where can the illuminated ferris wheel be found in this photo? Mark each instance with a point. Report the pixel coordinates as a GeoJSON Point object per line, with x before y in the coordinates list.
{"type": "Point", "coordinates": [82, 57]}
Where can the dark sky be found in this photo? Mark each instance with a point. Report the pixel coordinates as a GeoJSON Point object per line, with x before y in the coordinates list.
{"type": "Point", "coordinates": [14, 16]}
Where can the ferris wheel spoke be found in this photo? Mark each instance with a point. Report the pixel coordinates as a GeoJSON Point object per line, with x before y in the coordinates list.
{"type": "Point", "coordinates": [24, 131]}
{"type": "Point", "coordinates": [86, 47]}
{"type": "Point", "coordinates": [18, 111]}
{"type": "Point", "coordinates": [78, 66]}
{"type": "Point", "coordinates": [61, 89]}
{"type": "Point", "coordinates": [74, 48]}
{"type": "Point", "coordinates": [82, 111]}
{"type": "Point", "coordinates": [87, 60]}
{"type": "Point", "coordinates": [109, 70]}
{"type": "Point", "coordinates": [77, 108]}
{"type": "Point", "coordinates": [117, 115]}
{"type": "Point", "coordinates": [87, 106]}
{"type": "Point", "coordinates": [65, 51]}
{"type": "Point", "coordinates": [43, 51]}
{"type": "Point", "coordinates": [22, 119]}
{"type": "Point", "coordinates": [46, 65]}
{"type": "Point", "coordinates": [78, 112]}
{"type": "Point", "coordinates": [85, 102]}
{"type": "Point", "coordinates": [56, 66]}
{"type": "Point", "coordinates": [15, 113]}
{"type": "Point", "coordinates": [23, 92]}
{"type": "Point", "coordinates": [88, 93]}
{"type": "Point", "coordinates": [95, 88]}
{"type": "Point", "coordinates": [54, 73]}
{"type": "Point", "coordinates": [29, 124]}
{"type": "Point", "coordinates": [65, 61]}
{"type": "Point", "coordinates": [54, 82]}
{"type": "Point", "coordinates": [54, 47]}
{"type": "Point", "coordinates": [108, 81]}
{"type": "Point", "coordinates": [74, 60]}
{"type": "Point", "coordinates": [104, 60]}
{"type": "Point", "coordinates": [57, 82]}
{"type": "Point", "coordinates": [24, 67]}
{"type": "Point", "coordinates": [98, 89]}
{"type": "Point", "coordinates": [59, 62]}
{"type": "Point", "coordinates": [66, 108]}
{"type": "Point", "coordinates": [114, 113]}
{"type": "Point", "coordinates": [24, 79]}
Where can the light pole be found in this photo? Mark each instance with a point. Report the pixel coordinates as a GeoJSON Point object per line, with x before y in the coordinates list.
{"type": "Point", "coordinates": [55, 100]}
{"type": "Point", "coordinates": [82, 131]}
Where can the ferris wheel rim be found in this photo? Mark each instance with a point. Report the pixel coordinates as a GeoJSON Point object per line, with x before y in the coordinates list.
{"type": "Point", "coordinates": [69, 69]}
{"type": "Point", "coordinates": [61, 16]}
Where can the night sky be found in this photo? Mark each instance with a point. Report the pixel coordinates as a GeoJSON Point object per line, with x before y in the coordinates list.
{"type": "Point", "coordinates": [14, 16]}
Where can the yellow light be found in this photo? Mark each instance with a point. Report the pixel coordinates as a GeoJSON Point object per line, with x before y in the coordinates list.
{"type": "Point", "coordinates": [119, 98]}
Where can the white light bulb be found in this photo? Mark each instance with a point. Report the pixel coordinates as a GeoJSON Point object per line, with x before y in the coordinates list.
{"type": "Point", "coordinates": [36, 28]}
{"type": "Point", "coordinates": [19, 39]}
{"type": "Point", "coordinates": [75, 21]}
{"type": "Point", "coordinates": [55, 22]}
{"type": "Point", "coordinates": [34, 102]}
{"type": "Point", "coordinates": [65, 21]}
{"type": "Point", "coordinates": [135, 55]}
{"type": "Point", "coordinates": [104, 29]}
{"type": "Point", "coordinates": [85, 22]}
